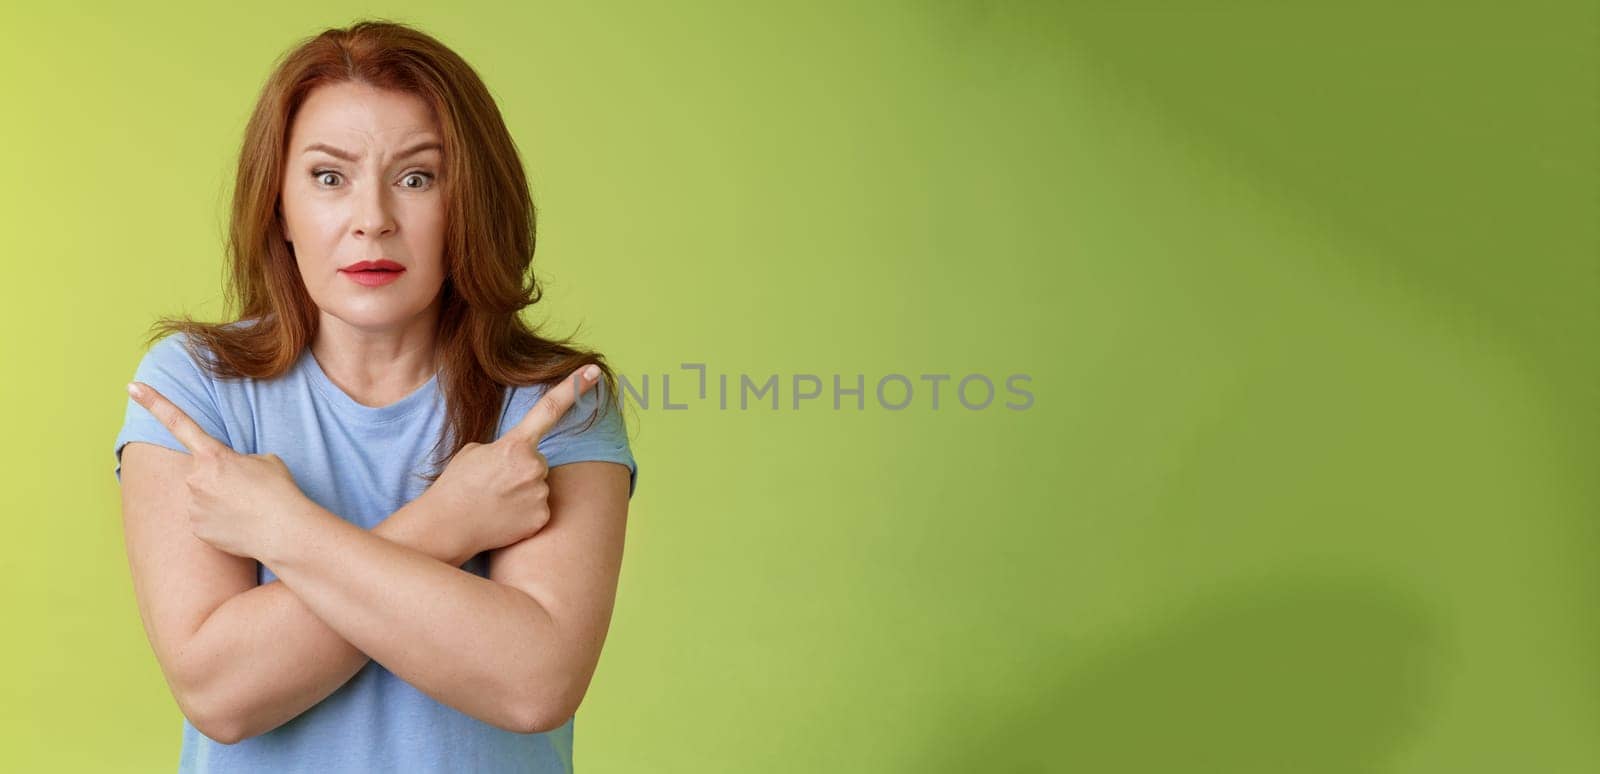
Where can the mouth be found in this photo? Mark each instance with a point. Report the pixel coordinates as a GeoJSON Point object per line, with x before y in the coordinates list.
{"type": "Point", "coordinates": [373, 273]}
{"type": "Point", "coordinates": [382, 264]}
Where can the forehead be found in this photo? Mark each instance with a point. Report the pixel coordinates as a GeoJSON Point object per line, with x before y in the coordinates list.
{"type": "Point", "coordinates": [360, 115]}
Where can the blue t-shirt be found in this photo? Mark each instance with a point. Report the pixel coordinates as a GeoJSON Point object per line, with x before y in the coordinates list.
{"type": "Point", "coordinates": [357, 461]}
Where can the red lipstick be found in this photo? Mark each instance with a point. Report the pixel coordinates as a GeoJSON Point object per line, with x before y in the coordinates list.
{"type": "Point", "coordinates": [373, 273]}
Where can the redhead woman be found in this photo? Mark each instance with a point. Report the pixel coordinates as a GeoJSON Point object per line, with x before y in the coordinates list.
{"type": "Point", "coordinates": [374, 521]}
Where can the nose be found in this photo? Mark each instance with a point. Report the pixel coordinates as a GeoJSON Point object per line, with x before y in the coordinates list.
{"type": "Point", "coordinates": [372, 216]}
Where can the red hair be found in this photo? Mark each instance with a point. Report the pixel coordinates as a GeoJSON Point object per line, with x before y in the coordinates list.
{"type": "Point", "coordinates": [489, 237]}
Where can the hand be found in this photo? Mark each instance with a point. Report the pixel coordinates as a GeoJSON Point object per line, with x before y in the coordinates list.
{"type": "Point", "coordinates": [498, 490]}
{"type": "Point", "coordinates": [237, 502]}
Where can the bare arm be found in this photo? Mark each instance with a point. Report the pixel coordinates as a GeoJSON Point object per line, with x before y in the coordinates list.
{"type": "Point", "coordinates": [258, 683]}
{"type": "Point", "coordinates": [204, 612]}
{"type": "Point", "coordinates": [515, 651]}
{"type": "Point", "coordinates": [482, 647]}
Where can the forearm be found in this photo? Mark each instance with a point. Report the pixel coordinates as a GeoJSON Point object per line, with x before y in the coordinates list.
{"type": "Point", "coordinates": [471, 643]}
{"type": "Point", "coordinates": [263, 657]}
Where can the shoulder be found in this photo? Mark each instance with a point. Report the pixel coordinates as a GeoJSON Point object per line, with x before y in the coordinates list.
{"type": "Point", "coordinates": [593, 429]}
{"type": "Point", "coordinates": [170, 367]}
{"type": "Point", "coordinates": [181, 353]}
{"type": "Point", "coordinates": [596, 402]}
{"type": "Point", "coordinates": [175, 356]}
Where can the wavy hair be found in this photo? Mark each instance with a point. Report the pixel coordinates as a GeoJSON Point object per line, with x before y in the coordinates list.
{"type": "Point", "coordinates": [489, 237]}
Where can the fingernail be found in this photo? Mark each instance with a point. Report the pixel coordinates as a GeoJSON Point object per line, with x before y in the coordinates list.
{"type": "Point", "coordinates": [591, 372]}
{"type": "Point", "coordinates": [133, 389]}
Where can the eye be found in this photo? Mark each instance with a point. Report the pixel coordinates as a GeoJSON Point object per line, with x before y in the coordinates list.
{"type": "Point", "coordinates": [424, 176]}
{"type": "Point", "coordinates": [319, 174]}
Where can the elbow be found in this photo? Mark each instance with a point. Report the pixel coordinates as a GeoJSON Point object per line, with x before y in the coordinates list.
{"type": "Point", "coordinates": [213, 715]}
{"type": "Point", "coordinates": [218, 726]}
{"type": "Point", "coordinates": [538, 718]}
{"type": "Point", "coordinates": [535, 723]}
{"type": "Point", "coordinates": [540, 712]}
{"type": "Point", "coordinates": [229, 723]}
{"type": "Point", "coordinates": [223, 733]}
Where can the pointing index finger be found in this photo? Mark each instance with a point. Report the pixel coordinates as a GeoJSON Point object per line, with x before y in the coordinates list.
{"type": "Point", "coordinates": [193, 437]}
{"type": "Point", "coordinates": [554, 404]}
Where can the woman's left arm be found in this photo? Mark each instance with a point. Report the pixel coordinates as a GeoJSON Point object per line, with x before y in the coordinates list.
{"type": "Point", "coordinates": [517, 649]}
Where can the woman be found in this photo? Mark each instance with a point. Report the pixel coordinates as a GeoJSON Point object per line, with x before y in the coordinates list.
{"type": "Point", "coordinates": [321, 594]}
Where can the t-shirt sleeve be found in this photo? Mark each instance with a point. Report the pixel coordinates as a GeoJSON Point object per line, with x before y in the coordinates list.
{"type": "Point", "coordinates": [169, 368]}
{"type": "Point", "coordinates": [569, 441]}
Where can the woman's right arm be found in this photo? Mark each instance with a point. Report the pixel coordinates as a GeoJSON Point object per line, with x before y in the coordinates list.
{"type": "Point", "coordinates": [240, 659]}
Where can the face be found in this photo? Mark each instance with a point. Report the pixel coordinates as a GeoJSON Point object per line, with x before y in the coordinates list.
{"type": "Point", "coordinates": [363, 183]}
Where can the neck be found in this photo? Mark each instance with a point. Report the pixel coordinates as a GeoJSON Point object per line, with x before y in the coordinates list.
{"type": "Point", "coordinates": [377, 365]}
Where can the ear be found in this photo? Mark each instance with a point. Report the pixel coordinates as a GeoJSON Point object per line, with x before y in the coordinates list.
{"type": "Point", "coordinates": [283, 224]}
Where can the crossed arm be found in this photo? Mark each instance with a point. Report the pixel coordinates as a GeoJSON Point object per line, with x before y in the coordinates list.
{"type": "Point", "coordinates": [516, 650]}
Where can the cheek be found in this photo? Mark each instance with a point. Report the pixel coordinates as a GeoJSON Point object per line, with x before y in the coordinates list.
{"type": "Point", "coordinates": [430, 219]}
{"type": "Point", "coordinates": [307, 221]}
{"type": "Point", "coordinates": [427, 226]}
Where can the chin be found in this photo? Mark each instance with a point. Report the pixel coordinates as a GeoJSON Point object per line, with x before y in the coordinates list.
{"type": "Point", "coordinates": [388, 316]}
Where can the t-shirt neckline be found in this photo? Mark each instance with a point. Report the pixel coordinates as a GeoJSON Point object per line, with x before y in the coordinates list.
{"type": "Point", "coordinates": [348, 406]}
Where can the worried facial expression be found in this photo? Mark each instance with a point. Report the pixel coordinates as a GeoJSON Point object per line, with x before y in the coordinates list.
{"type": "Point", "coordinates": [362, 183]}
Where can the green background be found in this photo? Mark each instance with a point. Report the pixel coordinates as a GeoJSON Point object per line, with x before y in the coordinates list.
{"type": "Point", "coordinates": [1307, 292]}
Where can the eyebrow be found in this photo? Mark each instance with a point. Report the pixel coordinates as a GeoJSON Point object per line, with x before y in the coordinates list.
{"type": "Point", "coordinates": [351, 157]}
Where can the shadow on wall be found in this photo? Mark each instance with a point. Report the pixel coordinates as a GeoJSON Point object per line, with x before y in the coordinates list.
{"type": "Point", "coordinates": [1303, 675]}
